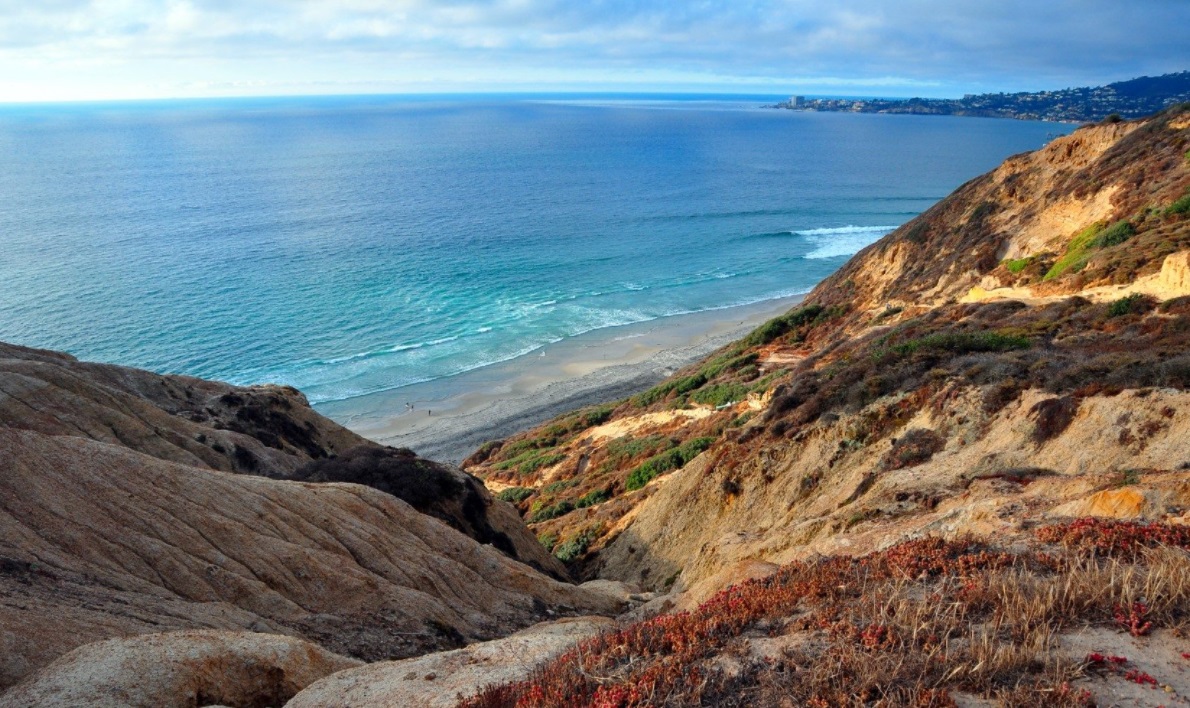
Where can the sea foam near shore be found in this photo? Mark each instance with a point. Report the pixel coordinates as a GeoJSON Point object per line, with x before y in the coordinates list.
{"type": "Point", "coordinates": [451, 417]}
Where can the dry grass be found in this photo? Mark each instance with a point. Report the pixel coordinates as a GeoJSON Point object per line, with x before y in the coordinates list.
{"type": "Point", "coordinates": [903, 627]}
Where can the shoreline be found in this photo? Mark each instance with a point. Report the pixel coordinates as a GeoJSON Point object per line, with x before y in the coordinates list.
{"type": "Point", "coordinates": [452, 417]}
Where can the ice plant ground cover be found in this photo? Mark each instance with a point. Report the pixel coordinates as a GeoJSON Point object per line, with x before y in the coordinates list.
{"type": "Point", "coordinates": [907, 626]}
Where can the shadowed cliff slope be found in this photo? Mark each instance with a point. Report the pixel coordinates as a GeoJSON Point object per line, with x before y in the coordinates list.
{"type": "Point", "coordinates": [134, 503]}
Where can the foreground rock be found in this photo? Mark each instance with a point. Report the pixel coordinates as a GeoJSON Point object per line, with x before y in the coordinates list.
{"type": "Point", "coordinates": [268, 431]}
{"type": "Point", "coordinates": [441, 680]}
{"type": "Point", "coordinates": [97, 541]}
{"type": "Point", "coordinates": [179, 669]}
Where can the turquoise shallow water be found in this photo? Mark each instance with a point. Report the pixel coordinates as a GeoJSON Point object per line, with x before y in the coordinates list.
{"type": "Point", "coordinates": [354, 245]}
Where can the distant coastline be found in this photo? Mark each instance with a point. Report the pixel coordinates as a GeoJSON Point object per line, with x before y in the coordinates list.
{"type": "Point", "coordinates": [1125, 99]}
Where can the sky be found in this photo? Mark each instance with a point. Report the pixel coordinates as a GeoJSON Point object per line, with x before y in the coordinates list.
{"type": "Point", "coordinates": [65, 50]}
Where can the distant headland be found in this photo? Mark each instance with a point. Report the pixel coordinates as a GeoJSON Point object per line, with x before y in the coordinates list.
{"type": "Point", "coordinates": [1127, 99]}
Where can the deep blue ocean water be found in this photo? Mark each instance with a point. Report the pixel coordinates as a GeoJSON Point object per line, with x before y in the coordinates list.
{"type": "Point", "coordinates": [353, 245]}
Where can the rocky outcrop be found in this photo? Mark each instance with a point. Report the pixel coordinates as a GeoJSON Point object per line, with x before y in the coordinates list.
{"type": "Point", "coordinates": [97, 541]}
{"type": "Point", "coordinates": [825, 495]}
{"type": "Point", "coordinates": [441, 680]}
{"type": "Point", "coordinates": [268, 431]}
{"type": "Point", "coordinates": [179, 670]}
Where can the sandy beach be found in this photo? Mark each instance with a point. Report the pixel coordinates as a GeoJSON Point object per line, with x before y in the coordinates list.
{"type": "Point", "coordinates": [450, 418]}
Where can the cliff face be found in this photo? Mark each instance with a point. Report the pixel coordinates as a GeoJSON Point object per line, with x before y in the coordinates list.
{"type": "Point", "coordinates": [1016, 352]}
{"type": "Point", "coordinates": [869, 500]}
{"type": "Point", "coordinates": [133, 503]}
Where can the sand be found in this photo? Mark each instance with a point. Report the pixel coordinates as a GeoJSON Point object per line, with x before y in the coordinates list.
{"type": "Point", "coordinates": [452, 417]}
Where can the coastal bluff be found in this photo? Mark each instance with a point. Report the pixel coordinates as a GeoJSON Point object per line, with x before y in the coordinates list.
{"type": "Point", "coordinates": [133, 503]}
{"type": "Point", "coordinates": [958, 473]}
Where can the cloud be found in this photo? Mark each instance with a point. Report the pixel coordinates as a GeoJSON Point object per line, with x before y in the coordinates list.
{"type": "Point", "coordinates": [129, 46]}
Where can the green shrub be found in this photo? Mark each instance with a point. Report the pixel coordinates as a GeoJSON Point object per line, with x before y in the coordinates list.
{"type": "Point", "coordinates": [531, 461]}
{"type": "Point", "coordinates": [515, 495]}
{"type": "Point", "coordinates": [669, 460]}
{"type": "Point", "coordinates": [1181, 206]}
{"type": "Point", "coordinates": [628, 447]}
{"type": "Point", "coordinates": [546, 513]}
{"type": "Point", "coordinates": [1077, 252]}
{"type": "Point", "coordinates": [721, 394]}
{"type": "Point", "coordinates": [532, 465]}
{"type": "Point", "coordinates": [574, 548]}
{"type": "Point", "coordinates": [662, 391]}
{"type": "Point", "coordinates": [1127, 305]}
{"type": "Point", "coordinates": [548, 540]}
{"type": "Point", "coordinates": [555, 487]}
{"type": "Point", "coordinates": [721, 364]}
{"type": "Point", "coordinates": [520, 447]}
{"type": "Point", "coordinates": [1082, 246]}
{"type": "Point", "coordinates": [593, 497]}
{"type": "Point", "coordinates": [1019, 264]}
{"type": "Point", "coordinates": [779, 326]}
{"type": "Point", "coordinates": [961, 343]}
{"type": "Point", "coordinates": [1115, 234]}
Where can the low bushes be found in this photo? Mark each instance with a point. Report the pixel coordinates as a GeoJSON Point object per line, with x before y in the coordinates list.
{"type": "Point", "coordinates": [912, 448]}
{"type": "Point", "coordinates": [593, 497]}
{"type": "Point", "coordinates": [515, 495]}
{"type": "Point", "coordinates": [1086, 242]}
{"type": "Point", "coordinates": [669, 460]}
{"type": "Point", "coordinates": [901, 627]}
{"type": "Point", "coordinates": [545, 513]}
{"type": "Point", "coordinates": [1134, 304]}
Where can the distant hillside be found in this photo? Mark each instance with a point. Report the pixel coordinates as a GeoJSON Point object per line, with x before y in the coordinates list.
{"type": "Point", "coordinates": [1134, 98]}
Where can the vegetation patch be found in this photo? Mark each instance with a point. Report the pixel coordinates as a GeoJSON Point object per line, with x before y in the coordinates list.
{"type": "Point", "coordinates": [540, 512]}
{"type": "Point", "coordinates": [913, 448]}
{"type": "Point", "coordinates": [1017, 265]}
{"type": "Point", "coordinates": [721, 394]}
{"type": "Point", "coordinates": [806, 316]}
{"type": "Point", "coordinates": [899, 628]}
{"type": "Point", "coordinates": [962, 343]}
{"type": "Point", "coordinates": [1181, 206]}
{"type": "Point", "coordinates": [515, 495]}
{"type": "Point", "coordinates": [593, 497]}
{"type": "Point", "coordinates": [573, 549]}
{"type": "Point", "coordinates": [1134, 304]}
{"type": "Point", "coordinates": [1078, 252]}
{"type": "Point", "coordinates": [1115, 234]}
{"type": "Point", "coordinates": [1086, 242]}
{"type": "Point", "coordinates": [669, 460]}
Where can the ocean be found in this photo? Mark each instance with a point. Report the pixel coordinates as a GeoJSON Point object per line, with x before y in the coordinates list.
{"type": "Point", "coordinates": [348, 246]}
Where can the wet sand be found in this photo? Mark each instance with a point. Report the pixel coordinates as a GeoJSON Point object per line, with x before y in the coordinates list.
{"type": "Point", "coordinates": [450, 418]}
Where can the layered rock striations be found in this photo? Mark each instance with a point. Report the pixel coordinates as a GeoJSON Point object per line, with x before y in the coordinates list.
{"type": "Point", "coordinates": [132, 503]}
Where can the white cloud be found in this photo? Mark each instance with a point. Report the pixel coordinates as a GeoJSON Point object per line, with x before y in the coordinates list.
{"type": "Point", "coordinates": [77, 48]}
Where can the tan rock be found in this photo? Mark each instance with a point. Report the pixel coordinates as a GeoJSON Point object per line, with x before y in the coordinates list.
{"type": "Point", "coordinates": [442, 679]}
{"type": "Point", "coordinates": [1126, 503]}
{"type": "Point", "coordinates": [99, 541]}
{"type": "Point", "coordinates": [182, 669]}
{"type": "Point", "coordinates": [800, 498]}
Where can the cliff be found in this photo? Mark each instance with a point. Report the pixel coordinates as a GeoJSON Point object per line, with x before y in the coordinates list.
{"type": "Point", "coordinates": [1011, 359]}
{"type": "Point", "coordinates": [132, 503]}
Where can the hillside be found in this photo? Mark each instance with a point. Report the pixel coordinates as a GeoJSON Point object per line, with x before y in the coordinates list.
{"type": "Point", "coordinates": [1133, 98]}
{"type": "Point", "coordinates": [1014, 357]}
{"type": "Point", "coordinates": [132, 503]}
{"type": "Point", "coordinates": [986, 324]}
